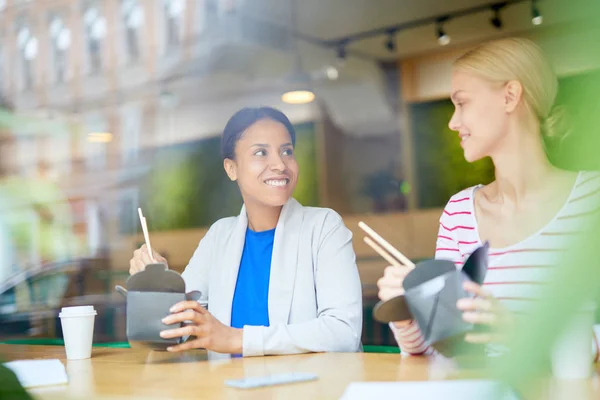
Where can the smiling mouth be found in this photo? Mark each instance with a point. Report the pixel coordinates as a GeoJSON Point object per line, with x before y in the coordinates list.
{"type": "Point", "coordinates": [277, 182]}
{"type": "Point", "coordinates": [464, 137]}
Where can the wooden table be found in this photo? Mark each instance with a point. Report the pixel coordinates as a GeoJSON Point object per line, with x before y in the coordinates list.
{"type": "Point", "coordinates": [127, 373]}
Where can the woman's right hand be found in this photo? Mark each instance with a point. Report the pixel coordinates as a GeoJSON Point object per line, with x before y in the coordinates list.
{"type": "Point", "coordinates": [390, 286]}
{"type": "Point", "coordinates": [141, 258]}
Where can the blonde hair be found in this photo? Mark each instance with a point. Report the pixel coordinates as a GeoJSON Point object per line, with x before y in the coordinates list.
{"type": "Point", "coordinates": [522, 60]}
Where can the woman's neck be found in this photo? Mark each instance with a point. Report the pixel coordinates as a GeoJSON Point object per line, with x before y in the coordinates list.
{"type": "Point", "coordinates": [262, 217]}
{"type": "Point", "coordinates": [521, 166]}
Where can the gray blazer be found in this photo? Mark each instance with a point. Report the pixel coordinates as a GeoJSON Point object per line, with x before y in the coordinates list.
{"type": "Point", "coordinates": [315, 296]}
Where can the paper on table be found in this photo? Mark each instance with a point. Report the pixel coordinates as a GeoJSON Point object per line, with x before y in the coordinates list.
{"type": "Point", "coordinates": [32, 373]}
{"type": "Point", "coordinates": [431, 390]}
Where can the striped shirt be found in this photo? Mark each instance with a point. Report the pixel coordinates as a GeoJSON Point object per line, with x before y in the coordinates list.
{"type": "Point", "coordinates": [515, 273]}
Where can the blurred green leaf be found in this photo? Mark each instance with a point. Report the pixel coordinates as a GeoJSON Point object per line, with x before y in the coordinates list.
{"type": "Point", "coordinates": [187, 186]}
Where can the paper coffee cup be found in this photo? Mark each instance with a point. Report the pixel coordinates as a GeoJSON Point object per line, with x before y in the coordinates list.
{"type": "Point", "coordinates": [572, 354]}
{"type": "Point", "coordinates": [78, 331]}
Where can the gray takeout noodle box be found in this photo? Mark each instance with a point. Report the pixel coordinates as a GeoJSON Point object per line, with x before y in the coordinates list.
{"type": "Point", "coordinates": [431, 292]}
{"type": "Point", "coordinates": [150, 295]}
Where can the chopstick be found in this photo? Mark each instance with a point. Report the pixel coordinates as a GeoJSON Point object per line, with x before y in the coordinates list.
{"type": "Point", "coordinates": [145, 230]}
{"type": "Point", "coordinates": [383, 253]}
{"type": "Point", "coordinates": [385, 246]}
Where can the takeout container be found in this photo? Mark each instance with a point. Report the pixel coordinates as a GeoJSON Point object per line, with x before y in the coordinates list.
{"type": "Point", "coordinates": [150, 294]}
{"type": "Point", "coordinates": [432, 289]}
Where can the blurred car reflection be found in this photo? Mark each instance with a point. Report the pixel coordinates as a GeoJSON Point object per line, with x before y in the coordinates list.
{"type": "Point", "coordinates": [30, 301]}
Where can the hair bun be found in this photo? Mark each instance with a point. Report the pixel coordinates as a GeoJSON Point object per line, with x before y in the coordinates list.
{"type": "Point", "coordinates": [556, 125]}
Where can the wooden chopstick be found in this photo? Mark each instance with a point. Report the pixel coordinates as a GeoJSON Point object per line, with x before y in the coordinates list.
{"type": "Point", "coordinates": [383, 253]}
{"type": "Point", "coordinates": [145, 230]}
{"type": "Point", "coordinates": [388, 247]}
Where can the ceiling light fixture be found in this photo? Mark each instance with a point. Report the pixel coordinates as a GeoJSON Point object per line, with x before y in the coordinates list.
{"type": "Point", "coordinates": [442, 36]}
{"type": "Point", "coordinates": [495, 20]}
{"type": "Point", "coordinates": [390, 43]}
{"type": "Point", "coordinates": [340, 44]}
{"type": "Point", "coordinates": [298, 97]}
{"type": "Point", "coordinates": [341, 52]}
{"type": "Point", "coordinates": [536, 15]}
{"type": "Point", "coordinates": [332, 73]}
{"type": "Point", "coordinates": [301, 93]}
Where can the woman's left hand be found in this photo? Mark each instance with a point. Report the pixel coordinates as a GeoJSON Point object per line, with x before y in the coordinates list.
{"type": "Point", "coordinates": [208, 332]}
{"type": "Point", "coordinates": [484, 309]}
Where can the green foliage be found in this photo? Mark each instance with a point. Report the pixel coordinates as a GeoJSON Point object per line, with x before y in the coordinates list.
{"type": "Point", "coordinates": [307, 189]}
{"type": "Point", "coordinates": [10, 387]}
{"type": "Point", "coordinates": [187, 186]}
{"type": "Point", "coordinates": [24, 200]}
{"type": "Point", "coordinates": [172, 181]}
{"type": "Point", "coordinates": [441, 168]}
{"type": "Point", "coordinates": [579, 149]}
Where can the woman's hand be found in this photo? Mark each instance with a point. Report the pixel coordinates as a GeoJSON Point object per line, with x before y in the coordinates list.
{"type": "Point", "coordinates": [390, 286]}
{"type": "Point", "coordinates": [141, 258]}
{"type": "Point", "coordinates": [208, 332]}
{"type": "Point", "coordinates": [485, 310]}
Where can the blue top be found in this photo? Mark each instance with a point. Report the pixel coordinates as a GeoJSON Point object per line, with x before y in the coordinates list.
{"type": "Point", "coordinates": [250, 300]}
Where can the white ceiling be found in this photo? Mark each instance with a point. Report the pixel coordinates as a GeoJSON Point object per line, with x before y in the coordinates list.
{"type": "Point", "coordinates": [334, 19]}
{"type": "Point", "coordinates": [249, 73]}
{"type": "Point", "coordinates": [243, 62]}
{"type": "Point", "coordinates": [244, 71]}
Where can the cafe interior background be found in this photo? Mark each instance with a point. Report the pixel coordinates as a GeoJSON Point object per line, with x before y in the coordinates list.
{"type": "Point", "coordinates": [111, 105]}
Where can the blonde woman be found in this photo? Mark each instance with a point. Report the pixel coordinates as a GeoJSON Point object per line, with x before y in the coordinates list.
{"type": "Point", "coordinates": [504, 93]}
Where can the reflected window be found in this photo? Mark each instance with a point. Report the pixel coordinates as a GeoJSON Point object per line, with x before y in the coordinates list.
{"type": "Point", "coordinates": [56, 154]}
{"type": "Point", "coordinates": [127, 209]}
{"type": "Point", "coordinates": [95, 32]}
{"type": "Point", "coordinates": [96, 139]}
{"type": "Point", "coordinates": [229, 6]}
{"type": "Point", "coordinates": [174, 10]}
{"type": "Point", "coordinates": [131, 126]}
{"type": "Point", "coordinates": [133, 19]}
{"type": "Point", "coordinates": [60, 42]}
{"type": "Point", "coordinates": [27, 153]}
{"type": "Point", "coordinates": [2, 72]}
{"type": "Point", "coordinates": [27, 45]}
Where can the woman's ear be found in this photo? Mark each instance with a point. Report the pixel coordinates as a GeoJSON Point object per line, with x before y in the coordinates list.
{"type": "Point", "coordinates": [513, 92]}
{"type": "Point", "coordinates": [230, 169]}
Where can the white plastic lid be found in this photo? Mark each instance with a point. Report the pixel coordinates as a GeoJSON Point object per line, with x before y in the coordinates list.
{"type": "Point", "coordinates": [77, 311]}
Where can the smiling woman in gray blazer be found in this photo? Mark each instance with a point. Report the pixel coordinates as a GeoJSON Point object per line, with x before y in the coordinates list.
{"type": "Point", "coordinates": [279, 278]}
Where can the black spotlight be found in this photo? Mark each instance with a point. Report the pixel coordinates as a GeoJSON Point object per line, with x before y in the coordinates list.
{"type": "Point", "coordinates": [390, 43]}
{"type": "Point", "coordinates": [341, 52]}
{"type": "Point", "coordinates": [536, 15]}
{"type": "Point", "coordinates": [495, 20]}
{"type": "Point", "coordinates": [442, 36]}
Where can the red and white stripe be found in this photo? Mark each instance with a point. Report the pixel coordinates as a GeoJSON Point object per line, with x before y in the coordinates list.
{"type": "Point", "coordinates": [516, 274]}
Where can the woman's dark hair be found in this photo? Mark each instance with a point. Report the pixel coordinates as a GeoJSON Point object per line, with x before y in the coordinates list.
{"type": "Point", "coordinates": [246, 117]}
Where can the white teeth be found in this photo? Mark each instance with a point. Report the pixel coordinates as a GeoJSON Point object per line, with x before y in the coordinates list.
{"type": "Point", "coordinates": [463, 138]}
{"type": "Point", "coordinates": [279, 182]}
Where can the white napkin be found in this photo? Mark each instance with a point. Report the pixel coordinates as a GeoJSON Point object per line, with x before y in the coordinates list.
{"type": "Point", "coordinates": [32, 373]}
{"type": "Point", "coordinates": [429, 390]}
